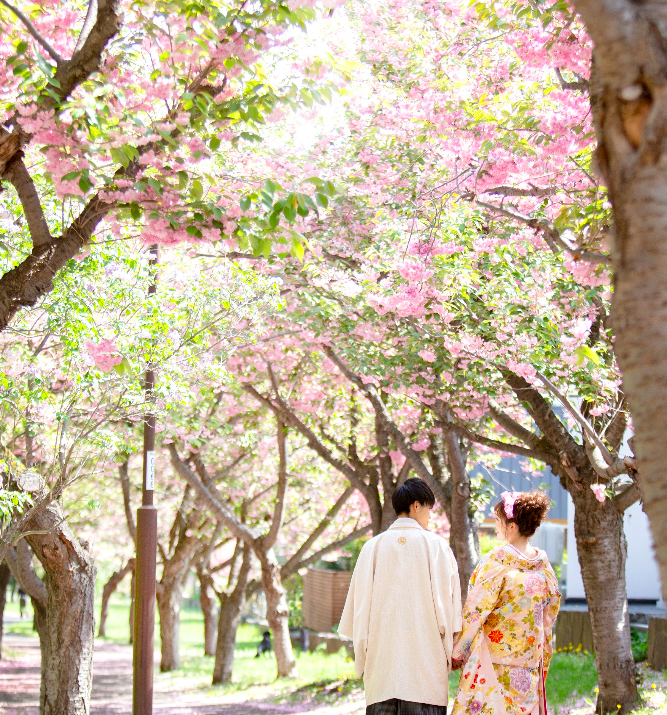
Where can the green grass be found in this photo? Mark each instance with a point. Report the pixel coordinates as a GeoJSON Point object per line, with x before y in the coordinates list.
{"type": "Point", "coordinates": [23, 627]}
{"type": "Point", "coordinates": [571, 675]}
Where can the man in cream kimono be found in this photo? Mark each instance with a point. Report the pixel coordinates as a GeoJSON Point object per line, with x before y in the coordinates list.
{"type": "Point", "coordinates": [403, 609]}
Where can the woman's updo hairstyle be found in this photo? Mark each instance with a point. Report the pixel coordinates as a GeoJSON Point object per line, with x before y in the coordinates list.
{"type": "Point", "coordinates": [530, 508]}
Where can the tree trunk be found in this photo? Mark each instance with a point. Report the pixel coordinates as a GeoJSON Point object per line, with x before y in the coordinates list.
{"type": "Point", "coordinates": [629, 107]}
{"type": "Point", "coordinates": [231, 606]}
{"type": "Point", "coordinates": [462, 527]}
{"type": "Point", "coordinates": [67, 651]}
{"type": "Point", "coordinates": [132, 588]}
{"type": "Point", "coordinates": [169, 599]}
{"type": "Point", "coordinates": [601, 548]}
{"type": "Point", "coordinates": [208, 608]}
{"type": "Point", "coordinates": [277, 613]}
{"type": "Point", "coordinates": [109, 587]}
{"type": "Point", "coordinates": [228, 623]}
{"type": "Point", "coordinates": [4, 580]}
{"type": "Point", "coordinates": [39, 626]}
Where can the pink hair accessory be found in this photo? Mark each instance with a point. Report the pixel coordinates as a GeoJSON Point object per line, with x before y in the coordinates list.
{"type": "Point", "coordinates": [508, 500]}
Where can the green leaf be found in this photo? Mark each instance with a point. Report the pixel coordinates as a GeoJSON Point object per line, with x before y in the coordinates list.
{"type": "Point", "coordinates": [214, 143]}
{"type": "Point", "coordinates": [297, 250]}
{"type": "Point", "coordinates": [85, 184]}
{"type": "Point", "coordinates": [135, 211]}
{"type": "Point", "coordinates": [245, 203]}
{"type": "Point", "coordinates": [120, 157]}
{"type": "Point", "coordinates": [197, 190]}
{"type": "Point", "coordinates": [584, 353]}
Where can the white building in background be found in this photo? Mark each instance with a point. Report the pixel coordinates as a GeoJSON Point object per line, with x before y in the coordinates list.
{"type": "Point", "coordinates": [641, 568]}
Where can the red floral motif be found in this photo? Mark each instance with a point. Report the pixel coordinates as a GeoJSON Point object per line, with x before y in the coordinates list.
{"type": "Point", "coordinates": [496, 636]}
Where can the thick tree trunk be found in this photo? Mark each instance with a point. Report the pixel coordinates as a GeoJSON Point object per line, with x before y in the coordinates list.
{"type": "Point", "coordinates": [208, 607]}
{"type": "Point", "coordinates": [231, 607]}
{"type": "Point", "coordinates": [169, 599]}
{"type": "Point", "coordinates": [628, 92]}
{"type": "Point", "coordinates": [70, 616]}
{"type": "Point", "coordinates": [462, 527]}
{"type": "Point", "coordinates": [277, 613]}
{"type": "Point", "coordinates": [109, 587]}
{"type": "Point", "coordinates": [601, 548]}
{"type": "Point", "coordinates": [4, 580]}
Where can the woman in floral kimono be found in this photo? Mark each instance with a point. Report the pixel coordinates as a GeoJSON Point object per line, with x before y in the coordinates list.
{"type": "Point", "coordinates": [505, 646]}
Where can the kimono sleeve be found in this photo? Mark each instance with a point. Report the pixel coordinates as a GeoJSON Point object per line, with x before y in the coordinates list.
{"type": "Point", "coordinates": [446, 589]}
{"type": "Point", "coordinates": [550, 613]}
{"type": "Point", "coordinates": [356, 615]}
{"type": "Point", "coordinates": [486, 583]}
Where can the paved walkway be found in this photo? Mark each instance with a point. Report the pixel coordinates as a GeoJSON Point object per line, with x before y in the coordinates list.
{"type": "Point", "coordinates": [112, 688]}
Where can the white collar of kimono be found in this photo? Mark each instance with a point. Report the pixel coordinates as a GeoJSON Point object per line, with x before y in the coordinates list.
{"type": "Point", "coordinates": [406, 522]}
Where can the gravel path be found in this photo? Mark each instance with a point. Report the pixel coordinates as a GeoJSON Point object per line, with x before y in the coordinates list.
{"type": "Point", "coordinates": [112, 688]}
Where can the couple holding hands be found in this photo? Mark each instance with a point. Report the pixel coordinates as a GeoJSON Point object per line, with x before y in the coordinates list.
{"type": "Point", "coordinates": [403, 612]}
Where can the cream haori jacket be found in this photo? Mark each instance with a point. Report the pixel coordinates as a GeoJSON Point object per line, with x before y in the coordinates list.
{"type": "Point", "coordinates": [402, 610]}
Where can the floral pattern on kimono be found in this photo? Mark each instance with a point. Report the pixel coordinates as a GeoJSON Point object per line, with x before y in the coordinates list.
{"type": "Point", "coordinates": [506, 643]}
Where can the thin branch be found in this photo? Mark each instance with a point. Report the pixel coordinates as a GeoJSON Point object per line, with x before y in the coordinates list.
{"type": "Point", "coordinates": [551, 235]}
{"type": "Point", "coordinates": [212, 499]}
{"type": "Point", "coordinates": [628, 497]}
{"type": "Point", "coordinates": [399, 438]}
{"type": "Point", "coordinates": [513, 191]}
{"type": "Point", "coordinates": [581, 85]}
{"type": "Point", "coordinates": [319, 529]}
{"type": "Point", "coordinates": [279, 510]}
{"type": "Point", "coordinates": [33, 31]}
{"type": "Point", "coordinates": [585, 424]}
{"type": "Point", "coordinates": [285, 572]}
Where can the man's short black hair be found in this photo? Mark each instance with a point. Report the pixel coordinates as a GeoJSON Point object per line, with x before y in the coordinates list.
{"type": "Point", "coordinates": [412, 490]}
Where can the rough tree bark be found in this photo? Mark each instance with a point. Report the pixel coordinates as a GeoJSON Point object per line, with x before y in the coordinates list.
{"type": "Point", "coordinates": [170, 598]}
{"type": "Point", "coordinates": [628, 92]}
{"type": "Point", "coordinates": [231, 606]}
{"type": "Point", "coordinates": [19, 560]}
{"type": "Point", "coordinates": [67, 643]}
{"type": "Point", "coordinates": [462, 530]}
{"type": "Point", "coordinates": [208, 609]}
{"type": "Point", "coordinates": [109, 587]}
{"type": "Point", "coordinates": [5, 573]}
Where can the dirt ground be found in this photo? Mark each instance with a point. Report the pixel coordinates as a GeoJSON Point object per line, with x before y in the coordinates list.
{"type": "Point", "coordinates": [112, 688]}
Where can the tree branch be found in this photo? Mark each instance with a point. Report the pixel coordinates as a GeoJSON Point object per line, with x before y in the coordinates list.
{"type": "Point", "coordinates": [625, 499]}
{"type": "Point", "coordinates": [285, 572]}
{"type": "Point", "coordinates": [319, 529]}
{"type": "Point", "coordinates": [585, 424]}
{"type": "Point", "coordinates": [212, 499]}
{"type": "Point", "coordinates": [33, 31]}
{"type": "Point", "coordinates": [551, 235]}
{"type": "Point", "coordinates": [16, 172]}
{"type": "Point", "coordinates": [393, 429]}
{"type": "Point", "coordinates": [581, 85]}
{"type": "Point", "coordinates": [269, 539]}
{"type": "Point", "coordinates": [290, 418]}
{"type": "Point", "coordinates": [124, 477]}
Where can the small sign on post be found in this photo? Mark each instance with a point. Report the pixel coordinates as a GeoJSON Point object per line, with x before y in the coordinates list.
{"type": "Point", "coordinates": [149, 477]}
